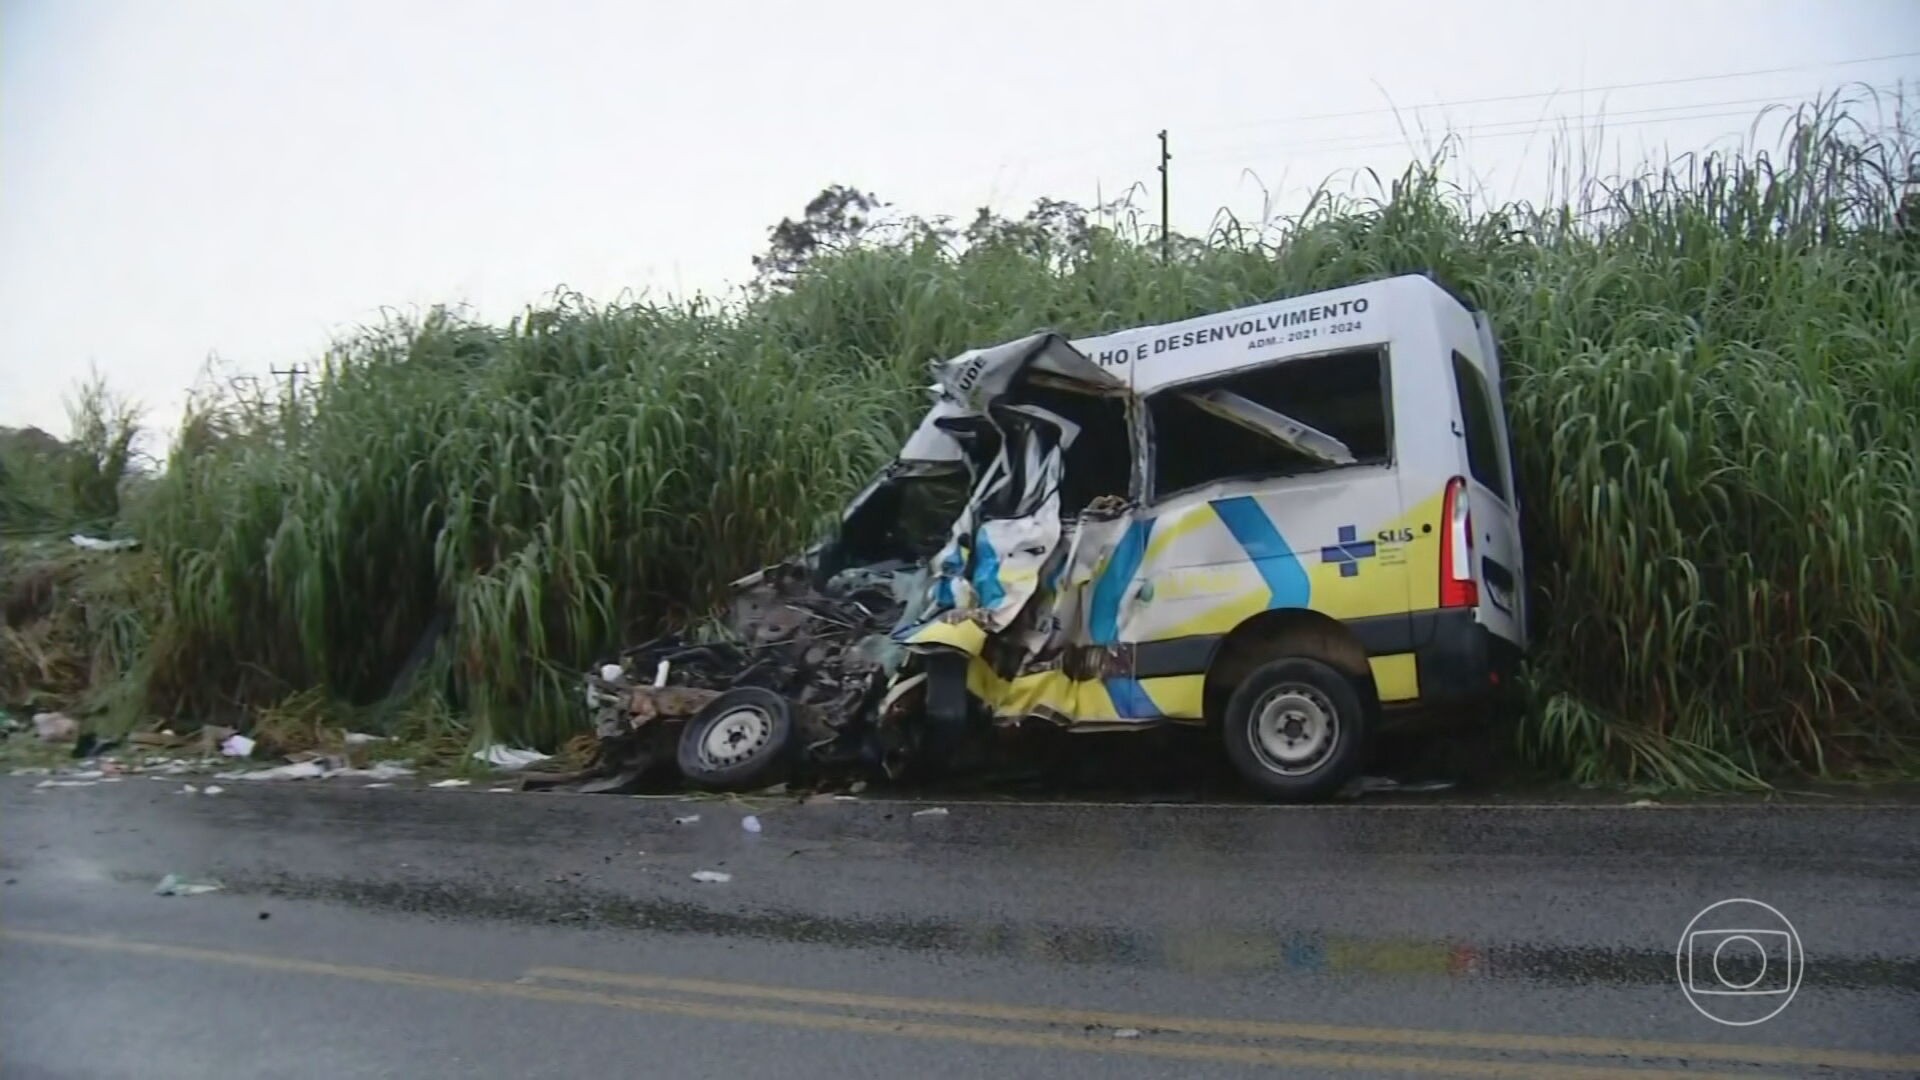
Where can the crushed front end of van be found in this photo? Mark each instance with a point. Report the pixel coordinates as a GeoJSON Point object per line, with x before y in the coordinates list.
{"type": "Point", "coordinates": [1266, 532]}
{"type": "Point", "coordinates": [860, 654]}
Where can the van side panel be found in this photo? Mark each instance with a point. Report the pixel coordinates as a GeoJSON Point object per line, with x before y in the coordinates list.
{"type": "Point", "coordinates": [1223, 554]}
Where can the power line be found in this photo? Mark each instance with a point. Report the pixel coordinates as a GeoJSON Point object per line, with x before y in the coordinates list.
{"type": "Point", "coordinates": [1532, 96]}
{"type": "Point", "coordinates": [1492, 129]}
{"type": "Point", "coordinates": [1349, 144]}
{"type": "Point", "coordinates": [1687, 80]}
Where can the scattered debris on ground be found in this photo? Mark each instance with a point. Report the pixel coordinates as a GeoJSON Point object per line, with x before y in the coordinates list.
{"type": "Point", "coordinates": [94, 543]}
{"type": "Point", "coordinates": [712, 877]}
{"type": "Point", "coordinates": [55, 727]}
{"type": "Point", "coordinates": [508, 759]}
{"type": "Point", "coordinates": [175, 885]}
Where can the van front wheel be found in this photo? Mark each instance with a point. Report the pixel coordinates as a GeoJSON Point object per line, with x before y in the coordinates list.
{"type": "Point", "coordinates": [1296, 729]}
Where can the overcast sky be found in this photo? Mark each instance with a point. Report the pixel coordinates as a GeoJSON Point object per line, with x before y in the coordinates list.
{"type": "Point", "coordinates": [248, 179]}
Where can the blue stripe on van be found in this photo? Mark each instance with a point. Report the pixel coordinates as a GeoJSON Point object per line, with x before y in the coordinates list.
{"type": "Point", "coordinates": [1287, 584]}
{"type": "Point", "coordinates": [1130, 699]}
{"type": "Point", "coordinates": [1103, 615]}
{"type": "Point", "coordinates": [986, 572]}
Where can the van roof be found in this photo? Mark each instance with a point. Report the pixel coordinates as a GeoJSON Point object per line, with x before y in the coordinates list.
{"type": "Point", "coordinates": [1357, 316]}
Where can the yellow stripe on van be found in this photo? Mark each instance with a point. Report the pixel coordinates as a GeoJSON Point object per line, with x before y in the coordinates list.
{"type": "Point", "coordinates": [1217, 620]}
{"type": "Point", "coordinates": [1179, 697]}
{"type": "Point", "coordinates": [967, 636]}
{"type": "Point", "coordinates": [1167, 532]}
{"type": "Point", "coordinates": [1395, 677]}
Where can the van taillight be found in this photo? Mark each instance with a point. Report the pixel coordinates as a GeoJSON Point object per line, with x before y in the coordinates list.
{"type": "Point", "coordinates": [1456, 549]}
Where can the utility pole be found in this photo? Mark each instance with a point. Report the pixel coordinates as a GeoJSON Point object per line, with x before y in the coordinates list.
{"type": "Point", "coordinates": [290, 412]}
{"type": "Point", "coordinates": [292, 375]}
{"type": "Point", "coordinates": [1164, 158]}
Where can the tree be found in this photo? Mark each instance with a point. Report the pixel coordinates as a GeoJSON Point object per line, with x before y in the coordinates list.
{"type": "Point", "coordinates": [835, 220]}
{"type": "Point", "coordinates": [1054, 229]}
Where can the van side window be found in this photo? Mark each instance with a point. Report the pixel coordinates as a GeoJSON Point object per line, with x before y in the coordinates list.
{"type": "Point", "coordinates": [1341, 395]}
{"type": "Point", "coordinates": [1476, 411]}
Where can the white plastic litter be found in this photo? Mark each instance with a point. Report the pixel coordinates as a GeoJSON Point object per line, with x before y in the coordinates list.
{"type": "Point", "coordinates": [611, 672]}
{"type": "Point", "coordinates": [361, 738]}
{"type": "Point", "coordinates": [213, 789]}
{"type": "Point", "coordinates": [299, 770]}
{"type": "Point", "coordinates": [750, 823]}
{"type": "Point", "coordinates": [237, 746]}
{"type": "Point", "coordinates": [931, 811]}
{"type": "Point", "coordinates": [175, 885]}
{"type": "Point", "coordinates": [65, 783]}
{"type": "Point", "coordinates": [382, 783]}
{"type": "Point", "coordinates": [1126, 1033]}
{"type": "Point", "coordinates": [660, 674]}
{"type": "Point", "coordinates": [498, 790]}
{"type": "Point", "coordinates": [454, 782]}
{"type": "Point", "coordinates": [712, 877]}
{"type": "Point", "coordinates": [385, 770]}
{"type": "Point", "coordinates": [688, 820]}
{"type": "Point", "coordinates": [94, 543]}
{"type": "Point", "coordinates": [187, 789]}
{"type": "Point", "coordinates": [508, 758]}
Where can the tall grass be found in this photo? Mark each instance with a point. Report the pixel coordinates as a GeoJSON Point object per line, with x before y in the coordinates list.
{"type": "Point", "coordinates": [1710, 369]}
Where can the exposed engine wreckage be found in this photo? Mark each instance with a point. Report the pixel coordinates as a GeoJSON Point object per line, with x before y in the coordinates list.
{"type": "Point", "coordinates": [958, 594]}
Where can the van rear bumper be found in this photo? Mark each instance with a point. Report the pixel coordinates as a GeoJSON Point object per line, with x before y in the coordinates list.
{"type": "Point", "coordinates": [1459, 660]}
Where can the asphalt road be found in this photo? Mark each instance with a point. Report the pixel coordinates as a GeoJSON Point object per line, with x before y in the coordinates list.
{"type": "Point", "coordinates": [415, 933]}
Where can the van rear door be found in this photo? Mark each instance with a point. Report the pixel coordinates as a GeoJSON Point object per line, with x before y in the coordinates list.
{"type": "Point", "coordinates": [1492, 502]}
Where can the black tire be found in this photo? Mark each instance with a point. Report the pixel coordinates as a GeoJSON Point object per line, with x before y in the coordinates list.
{"type": "Point", "coordinates": [759, 729]}
{"type": "Point", "coordinates": [1308, 693]}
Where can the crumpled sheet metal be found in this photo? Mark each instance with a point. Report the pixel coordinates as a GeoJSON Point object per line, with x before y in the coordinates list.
{"type": "Point", "coordinates": [825, 651]}
{"type": "Point", "coordinates": [976, 380]}
{"type": "Point", "coordinates": [990, 567]}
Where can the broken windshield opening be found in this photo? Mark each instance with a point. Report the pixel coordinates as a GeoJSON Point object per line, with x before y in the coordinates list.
{"type": "Point", "coordinates": [907, 517]}
{"type": "Point", "coordinates": [1099, 461]}
{"type": "Point", "coordinates": [1339, 400]}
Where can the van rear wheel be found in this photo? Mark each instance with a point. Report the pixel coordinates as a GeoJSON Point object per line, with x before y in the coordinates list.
{"type": "Point", "coordinates": [1296, 729]}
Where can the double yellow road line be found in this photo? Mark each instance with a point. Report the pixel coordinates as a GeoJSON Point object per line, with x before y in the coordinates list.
{"type": "Point", "coordinates": [1036, 1027]}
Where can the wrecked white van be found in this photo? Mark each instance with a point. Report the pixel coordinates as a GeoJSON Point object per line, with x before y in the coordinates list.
{"type": "Point", "coordinates": [1281, 521]}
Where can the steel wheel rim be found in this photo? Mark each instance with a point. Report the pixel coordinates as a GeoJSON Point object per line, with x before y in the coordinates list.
{"type": "Point", "coordinates": [1294, 730]}
{"type": "Point", "coordinates": [737, 735]}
